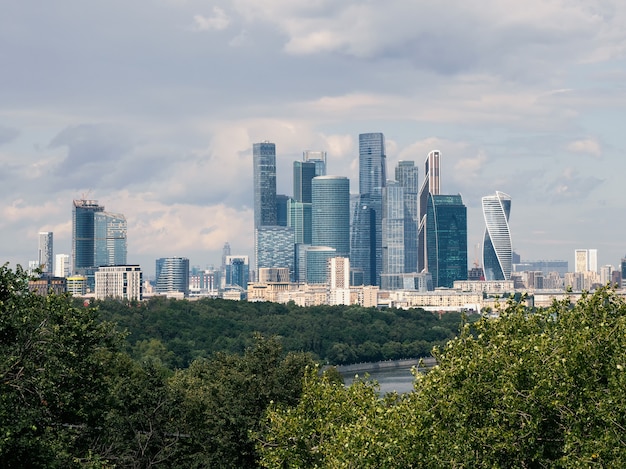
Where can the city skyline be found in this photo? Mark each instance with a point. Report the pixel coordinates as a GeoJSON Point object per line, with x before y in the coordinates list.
{"type": "Point", "coordinates": [157, 120]}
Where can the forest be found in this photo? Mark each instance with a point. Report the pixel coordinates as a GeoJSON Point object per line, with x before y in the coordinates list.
{"type": "Point", "coordinates": [534, 388]}
{"type": "Point", "coordinates": [180, 331]}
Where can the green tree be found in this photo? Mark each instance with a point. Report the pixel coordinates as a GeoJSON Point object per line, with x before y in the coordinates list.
{"type": "Point", "coordinates": [534, 388]}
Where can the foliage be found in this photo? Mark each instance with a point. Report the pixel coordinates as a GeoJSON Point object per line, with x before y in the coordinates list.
{"type": "Point", "coordinates": [179, 331]}
{"type": "Point", "coordinates": [543, 388]}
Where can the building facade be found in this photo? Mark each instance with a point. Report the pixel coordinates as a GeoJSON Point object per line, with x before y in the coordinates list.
{"type": "Point", "coordinates": [431, 185]}
{"type": "Point", "coordinates": [62, 265]}
{"type": "Point", "coordinates": [318, 158]}
{"type": "Point", "coordinates": [237, 271]}
{"type": "Point", "coordinates": [446, 239]}
{"type": "Point", "coordinates": [497, 244]}
{"type": "Point", "coordinates": [46, 256]}
{"type": "Point", "coordinates": [120, 281]}
{"type": "Point", "coordinates": [393, 236]}
{"type": "Point", "coordinates": [110, 231]}
{"type": "Point", "coordinates": [172, 275]}
{"type": "Point", "coordinates": [407, 177]}
{"type": "Point", "coordinates": [331, 213]}
{"type": "Point", "coordinates": [264, 175]}
{"type": "Point", "coordinates": [274, 247]}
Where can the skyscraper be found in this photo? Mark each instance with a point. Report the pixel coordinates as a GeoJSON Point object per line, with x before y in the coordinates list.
{"type": "Point", "coordinates": [237, 271]}
{"type": "Point", "coordinates": [497, 245]}
{"type": "Point", "coordinates": [393, 236]}
{"type": "Point", "coordinates": [45, 257]}
{"type": "Point", "coordinates": [318, 158]}
{"type": "Point", "coordinates": [407, 176]}
{"type": "Point", "coordinates": [62, 267]}
{"type": "Point", "coordinates": [300, 218]}
{"type": "Point", "coordinates": [172, 275]}
{"type": "Point", "coordinates": [303, 174]}
{"type": "Point", "coordinates": [274, 247]}
{"type": "Point", "coordinates": [586, 260]}
{"type": "Point", "coordinates": [264, 160]}
{"type": "Point", "coordinates": [446, 239]}
{"type": "Point", "coordinates": [366, 236]}
{"type": "Point", "coordinates": [430, 185]}
{"type": "Point", "coordinates": [98, 239]}
{"type": "Point", "coordinates": [331, 213]}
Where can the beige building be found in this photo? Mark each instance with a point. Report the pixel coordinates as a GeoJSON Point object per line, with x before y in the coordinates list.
{"type": "Point", "coordinates": [119, 281]}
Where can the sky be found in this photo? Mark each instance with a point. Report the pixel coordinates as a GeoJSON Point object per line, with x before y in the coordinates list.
{"type": "Point", "coordinates": [151, 107]}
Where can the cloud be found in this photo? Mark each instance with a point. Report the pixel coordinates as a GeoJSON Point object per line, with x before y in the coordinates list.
{"type": "Point", "coordinates": [571, 186]}
{"type": "Point", "coordinates": [7, 134]}
{"type": "Point", "coordinates": [217, 22]}
{"type": "Point", "coordinates": [470, 167]}
{"type": "Point", "coordinates": [589, 146]}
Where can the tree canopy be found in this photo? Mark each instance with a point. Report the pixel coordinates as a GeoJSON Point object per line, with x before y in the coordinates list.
{"type": "Point", "coordinates": [534, 388]}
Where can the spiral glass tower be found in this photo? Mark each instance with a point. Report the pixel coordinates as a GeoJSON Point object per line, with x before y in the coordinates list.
{"type": "Point", "coordinates": [497, 245]}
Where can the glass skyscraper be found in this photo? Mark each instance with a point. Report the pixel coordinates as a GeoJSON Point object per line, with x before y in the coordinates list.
{"type": "Point", "coordinates": [303, 174]}
{"type": "Point", "coordinates": [83, 235]}
{"type": "Point", "coordinates": [366, 234]}
{"type": "Point", "coordinates": [497, 245]}
{"type": "Point", "coordinates": [110, 232]}
{"type": "Point", "coordinates": [331, 213]}
{"type": "Point", "coordinates": [264, 160]}
{"type": "Point", "coordinates": [274, 247]}
{"type": "Point", "coordinates": [430, 185]}
{"type": "Point", "coordinates": [299, 217]}
{"type": "Point", "coordinates": [237, 271]}
{"type": "Point", "coordinates": [406, 175]}
{"type": "Point", "coordinates": [318, 158]}
{"type": "Point", "coordinates": [393, 236]}
{"type": "Point", "coordinates": [446, 239]}
{"type": "Point", "coordinates": [172, 275]}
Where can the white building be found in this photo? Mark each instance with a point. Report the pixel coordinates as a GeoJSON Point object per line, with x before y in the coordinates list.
{"type": "Point", "coordinates": [119, 281]}
{"type": "Point", "coordinates": [62, 265]}
{"type": "Point", "coordinates": [586, 260]}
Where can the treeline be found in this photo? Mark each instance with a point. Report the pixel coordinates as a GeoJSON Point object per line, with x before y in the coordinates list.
{"type": "Point", "coordinates": [180, 331]}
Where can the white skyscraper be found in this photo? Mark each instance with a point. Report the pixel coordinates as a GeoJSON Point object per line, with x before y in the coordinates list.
{"type": "Point", "coordinates": [62, 265]}
{"type": "Point", "coordinates": [45, 257]}
{"type": "Point", "coordinates": [586, 260]}
{"type": "Point", "coordinates": [497, 245]}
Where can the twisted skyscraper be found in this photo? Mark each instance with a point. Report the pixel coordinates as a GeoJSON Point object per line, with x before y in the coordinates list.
{"type": "Point", "coordinates": [497, 245]}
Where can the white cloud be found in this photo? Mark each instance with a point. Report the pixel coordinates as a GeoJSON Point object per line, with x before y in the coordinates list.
{"type": "Point", "coordinates": [217, 22]}
{"type": "Point", "coordinates": [589, 146]}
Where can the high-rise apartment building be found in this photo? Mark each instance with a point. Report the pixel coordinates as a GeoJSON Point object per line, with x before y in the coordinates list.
{"type": "Point", "coordinates": [172, 275]}
{"type": "Point", "coordinates": [431, 185]}
{"type": "Point", "coordinates": [62, 267]}
{"type": "Point", "coordinates": [45, 255]}
{"type": "Point", "coordinates": [119, 281]}
{"type": "Point", "coordinates": [331, 213]}
{"type": "Point", "coordinates": [393, 236]}
{"type": "Point", "coordinates": [366, 237]}
{"type": "Point", "coordinates": [497, 244]}
{"type": "Point", "coordinates": [407, 176]}
{"type": "Point", "coordinates": [586, 260]}
{"type": "Point", "coordinates": [446, 239]}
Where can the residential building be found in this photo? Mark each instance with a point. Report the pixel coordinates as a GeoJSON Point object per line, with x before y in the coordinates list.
{"type": "Point", "coordinates": [62, 265]}
{"type": "Point", "coordinates": [497, 244]}
{"type": "Point", "coordinates": [46, 257]}
{"type": "Point", "coordinates": [120, 281]}
{"type": "Point", "coordinates": [586, 260]}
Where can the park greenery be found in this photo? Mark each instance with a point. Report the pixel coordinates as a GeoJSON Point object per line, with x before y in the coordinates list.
{"type": "Point", "coordinates": [180, 331]}
{"type": "Point", "coordinates": [534, 388]}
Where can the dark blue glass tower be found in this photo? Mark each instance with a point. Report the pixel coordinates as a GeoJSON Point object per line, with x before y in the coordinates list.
{"type": "Point", "coordinates": [446, 239]}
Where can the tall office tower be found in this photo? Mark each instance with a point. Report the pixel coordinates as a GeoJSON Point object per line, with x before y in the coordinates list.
{"type": "Point", "coordinates": [406, 175]}
{"type": "Point", "coordinates": [331, 213]}
{"type": "Point", "coordinates": [446, 239]}
{"type": "Point", "coordinates": [264, 160]}
{"type": "Point", "coordinates": [62, 266]}
{"type": "Point", "coordinates": [120, 281]}
{"type": "Point", "coordinates": [237, 271]}
{"type": "Point", "coordinates": [586, 260]}
{"type": "Point", "coordinates": [45, 258]}
{"type": "Point", "coordinates": [430, 185]}
{"type": "Point", "coordinates": [318, 158]}
{"type": "Point", "coordinates": [497, 244]}
{"type": "Point", "coordinates": [282, 202]}
{"type": "Point", "coordinates": [393, 236]}
{"type": "Point", "coordinates": [110, 233]}
{"type": "Point", "coordinates": [365, 234]}
{"type": "Point", "coordinates": [299, 217]}
{"type": "Point", "coordinates": [83, 236]}
{"type": "Point", "coordinates": [606, 274]}
{"type": "Point", "coordinates": [172, 275]}
{"type": "Point", "coordinates": [274, 247]}
{"type": "Point", "coordinates": [317, 263]}
{"type": "Point", "coordinates": [303, 174]}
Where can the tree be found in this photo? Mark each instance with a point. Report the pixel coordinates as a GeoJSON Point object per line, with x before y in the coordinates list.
{"type": "Point", "coordinates": [534, 388]}
{"type": "Point", "coordinates": [53, 375]}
